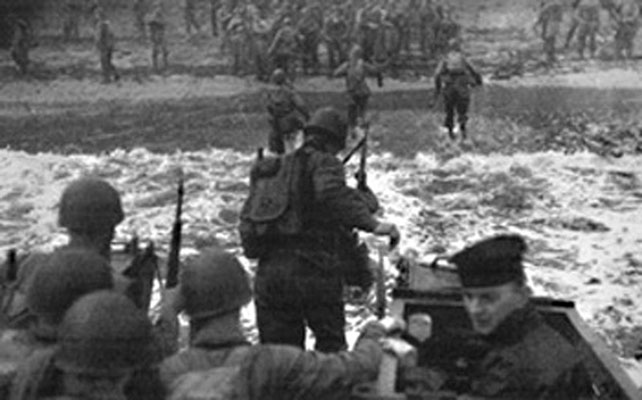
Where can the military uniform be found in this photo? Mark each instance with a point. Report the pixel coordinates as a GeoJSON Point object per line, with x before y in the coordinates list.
{"type": "Point", "coordinates": [157, 27]}
{"type": "Point", "coordinates": [628, 22]}
{"type": "Point", "coordinates": [73, 12]}
{"type": "Point", "coordinates": [454, 78]}
{"type": "Point", "coordinates": [106, 44]}
{"type": "Point", "coordinates": [288, 114]}
{"type": "Point", "coordinates": [310, 26]}
{"type": "Point", "coordinates": [214, 289]}
{"type": "Point", "coordinates": [191, 24]}
{"type": "Point", "coordinates": [299, 280]}
{"type": "Point", "coordinates": [356, 70]}
{"type": "Point", "coordinates": [588, 17]}
{"type": "Point", "coordinates": [140, 9]}
{"type": "Point", "coordinates": [89, 209]}
{"type": "Point", "coordinates": [63, 277]}
{"type": "Point", "coordinates": [284, 48]}
{"type": "Point", "coordinates": [20, 44]}
{"type": "Point", "coordinates": [335, 32]}
{"type": "Point", "coordinates": [105, 349]}
{"type": "Point", "coordinates": [428, 18]}
{"type": "Point", "coordinates": [550, 21]}
{"type": "Point", "coordinates": [520, 356]}
{"type": "Point", "coordinates": [527, 359]}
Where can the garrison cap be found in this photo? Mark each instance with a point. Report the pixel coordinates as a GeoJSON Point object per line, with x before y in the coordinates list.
{"type": "Point", "coordinates": [491, 262]}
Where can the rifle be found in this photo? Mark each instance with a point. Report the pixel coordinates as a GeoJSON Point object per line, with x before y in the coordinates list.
{"type": "Point", "coordinates": [173, 260]}
{"type": "Point", "coordinates": [354, 150]}
{"type": "Point", "coordinates": [361, 174]}
{"type": "Point", "coordinates": [380, 288]}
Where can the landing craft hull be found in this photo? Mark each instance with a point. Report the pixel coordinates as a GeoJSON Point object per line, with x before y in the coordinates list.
{"type": "Point", "coordinates": [434, 291]}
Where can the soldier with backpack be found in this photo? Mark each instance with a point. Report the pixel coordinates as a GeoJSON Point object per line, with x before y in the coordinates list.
{"type": "Point", "coordinates": [294, 221]}
{"type": "Point", "coordinates": [287, 111]}
{"type": "Point", "coordinates": [454, 78]}
{"type": "Point", "coordinates": [221, 364]}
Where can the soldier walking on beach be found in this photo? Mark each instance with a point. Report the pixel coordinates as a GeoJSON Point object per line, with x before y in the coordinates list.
{"type": "Point", "coordinates": [20, 44]}
{"type": "Point", "coordinates": [71, 25]}
{"type": "Point", "coordinates": [157, 26]}
{"type": "Point", "coordinates": [454, 78]}
{"type": "Point", "coordinates": [287, 110]}
{"type": "Point", "coordinates": [588, 19]}
{"type": "Point", "coordinates": [140, 9]}
{"type": "Point", "coordinates": [356, 70]}
{"type": "Point", "coordinates": [284, 48]}
{"type": "Point", "coordinates": [300, 279]}
{"type": "Point", "coordinates": [191, 24]}
{"type": "Point", "coordinates": [628, 21]}
{"type": "Point", "coordinates": [106, 43]}
{"type": "Point", "coordinates": [549, 21]}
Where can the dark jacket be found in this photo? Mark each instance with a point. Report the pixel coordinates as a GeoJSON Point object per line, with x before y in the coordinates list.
{"type": "Point", "coordinates": [528, 359]}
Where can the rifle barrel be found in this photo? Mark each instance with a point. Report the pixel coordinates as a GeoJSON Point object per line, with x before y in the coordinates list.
{"type": "Point", "coordinates": [173, 260]}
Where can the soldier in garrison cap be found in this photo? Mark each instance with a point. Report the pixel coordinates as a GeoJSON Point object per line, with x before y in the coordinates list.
{"type": "Point", "coordinates": [221, 364]}
{"type": "Point", "coordinates": [526, 358]}
{"type": "Point", "coordinates": [65, 276]}
{"type": "Point", "coordinates": [105, 351]}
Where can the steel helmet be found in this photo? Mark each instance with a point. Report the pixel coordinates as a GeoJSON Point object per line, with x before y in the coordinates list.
{"type": "Point", "coordinates": [330, 123]}
{"type": "Point", "coordinates": [214, 284]}
{"type": "Point", "coordinates": [89, 205]}
{"type": "Point", "coordinates": [278, 76]}
{"type": "Point", "coordinates": [104, 334]}
{"type": "Point", "coordinates": [66, 275]}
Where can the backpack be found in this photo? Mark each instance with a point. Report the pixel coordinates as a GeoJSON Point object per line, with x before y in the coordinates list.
{"type": "Point", "coordinates": [271, 209]}
{"type": "Point", "coordinates": [219, 383]}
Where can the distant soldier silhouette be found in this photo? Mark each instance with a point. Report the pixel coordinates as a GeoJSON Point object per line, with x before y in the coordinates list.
{"type": "Point", "coordinates": [191, 24]}
{"type": "Point", "coordinates": [20, 44]}
{"type": "Point", "coordinates": [627, 18]}
{"type": "Point", "coordinates": [140, 9]}
{"type": "Point", "coordinates": [588, 19]}
{"type": "Point", "coordinates": [549, 21]}
{"type": "Point", "coordinates": [288, 113]}
{"type": "Point", "coordinates": [71, 26]}
{"type": "Point", "coordinates": [106, 43]}
{"type": "Point", "coordinates": [157, 26]}
{"type": "Point", "coordinates": [454, 78]}
{"type": "Point", "coordinates": [356, 70]}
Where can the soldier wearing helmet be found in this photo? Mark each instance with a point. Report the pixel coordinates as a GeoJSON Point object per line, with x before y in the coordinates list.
{"type": "Point", "coordinates": [90, 209]}
{"type": "Point", "coordinates": [287, 112]}
{"type": "Point", "coordinates": [356, 70]}
{"type": "Point", "coordinates": [104, 352]}
{"type": "Point", "coordinates": [454, 78]}
{"type": "Point", "coordinates": [299, 279]}
{"type": "Point", "coordinates": [64, 276]}
{"type": "Point", "coordinates": [212, 290]}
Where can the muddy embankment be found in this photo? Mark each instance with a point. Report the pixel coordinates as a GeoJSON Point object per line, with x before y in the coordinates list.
{"type": "Point", "coordinates": [510, 119]}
